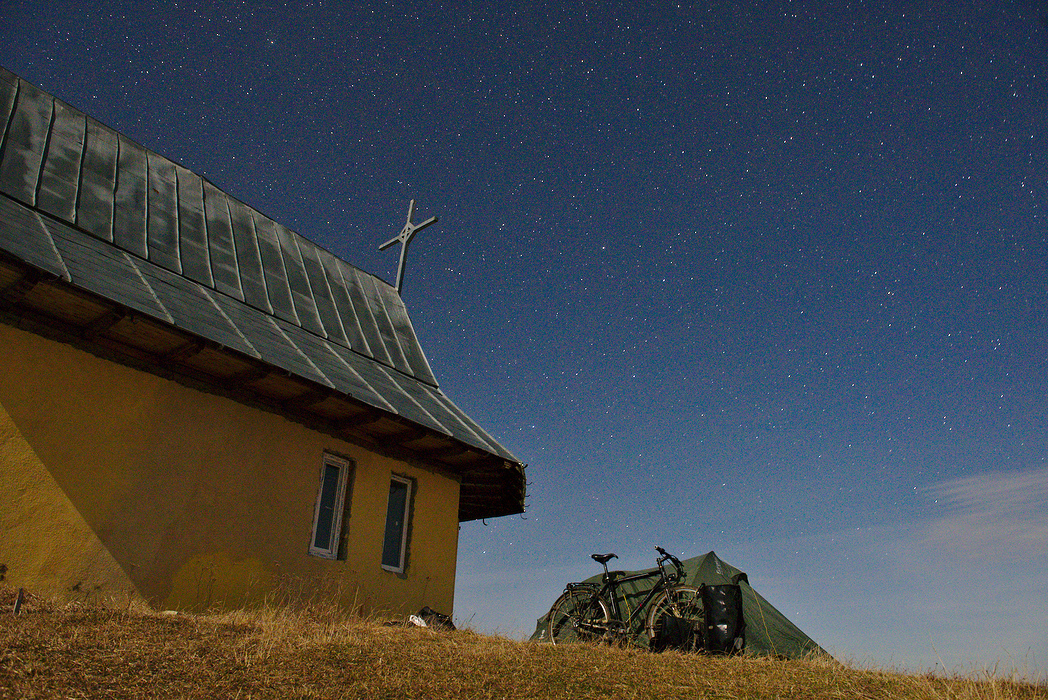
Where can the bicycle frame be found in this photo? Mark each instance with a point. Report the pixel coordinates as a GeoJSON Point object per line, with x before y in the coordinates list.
{"type": "Point", "coordinates": [609, 590]}
{"type": "Point", "coordinates": [612, 589]}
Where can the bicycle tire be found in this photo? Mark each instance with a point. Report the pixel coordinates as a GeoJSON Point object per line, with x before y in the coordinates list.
{"type": "Point", "coordinates": [571, 609]}
{"type": "Point", "coordinates": [679, 601]}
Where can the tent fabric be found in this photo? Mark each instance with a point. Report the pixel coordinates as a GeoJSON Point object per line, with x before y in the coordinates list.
{"type": "Point", "coordinates": [768, 631]}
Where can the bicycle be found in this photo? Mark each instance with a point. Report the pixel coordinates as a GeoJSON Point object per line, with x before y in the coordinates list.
{"type": "Point", "coordinates": [590, 612]}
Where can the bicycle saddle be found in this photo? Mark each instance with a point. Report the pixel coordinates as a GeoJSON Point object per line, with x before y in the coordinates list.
{"type": "Point", "coordinates": [603, 558]}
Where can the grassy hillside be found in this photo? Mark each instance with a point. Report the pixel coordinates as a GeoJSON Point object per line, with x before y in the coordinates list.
{"type": "Point", "coordinates": [69, 651]}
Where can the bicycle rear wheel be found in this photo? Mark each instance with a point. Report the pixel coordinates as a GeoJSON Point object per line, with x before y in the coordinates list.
{"type": "Point", "coordinates": [682, 602]}
{"type": "Point", "coordinates": [569, 616]}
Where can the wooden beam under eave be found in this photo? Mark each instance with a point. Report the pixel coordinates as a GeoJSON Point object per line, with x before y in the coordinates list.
{"type": "Point", "coordinates": [411, 435]}
{"type": "Point", "coordinates": [485, 479]}
{"type": "Point", "coordinates": [184, 352]}
{"type": "Point", "coordinates": [366, 418]}
{"type": "Point", "coordinates": [480, 503]}
{"type": "Point", "coordinates": [452, 450]}
{"type": "Point", "coordinates": [14, 293]}
{"type": "Point", "coordinates": [306, 399]}
{"type": "Point", "coordinates": [249, 376]}
{"type": "Point", "coordinates": [472, 509]}
{"type": "Point", "coordinates": [103, 323]}
{"type": "Point", "coordinates": [488, 489]}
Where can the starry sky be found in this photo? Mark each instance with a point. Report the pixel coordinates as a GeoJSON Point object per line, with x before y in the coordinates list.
{"type": "Point", "coordinates": [764, 278]}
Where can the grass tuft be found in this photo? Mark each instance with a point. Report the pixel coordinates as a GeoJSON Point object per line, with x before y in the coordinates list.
{"type": "Point", "coordinates": [57, 650]}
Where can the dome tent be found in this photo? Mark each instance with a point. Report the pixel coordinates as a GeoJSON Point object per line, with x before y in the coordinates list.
{"type": "Point", "coordinates": [768, 631]}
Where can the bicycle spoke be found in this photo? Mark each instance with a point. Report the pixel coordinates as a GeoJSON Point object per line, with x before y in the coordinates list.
{"type": "Point", "coordinates": [681, 602]}
{"type": "Point", "coordinates": [578, 616]}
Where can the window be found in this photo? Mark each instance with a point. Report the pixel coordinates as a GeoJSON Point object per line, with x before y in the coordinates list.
{"type": "Point", "coordinates": [331, 504]}
{"type": "Point", "coordinates": [395, 544]}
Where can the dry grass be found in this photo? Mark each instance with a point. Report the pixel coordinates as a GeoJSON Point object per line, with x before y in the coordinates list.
{"type": "Point", "coordinates": [64, 651]}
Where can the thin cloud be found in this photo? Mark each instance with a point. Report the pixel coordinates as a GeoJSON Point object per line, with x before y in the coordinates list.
{"type": "Point", "coordinates": [990, 518]}
{"type": "Point", "coordinates": [964, 585]}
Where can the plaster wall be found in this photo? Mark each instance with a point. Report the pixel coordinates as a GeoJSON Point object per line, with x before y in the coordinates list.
{"type": "Point", "coordinates": [117, 483]}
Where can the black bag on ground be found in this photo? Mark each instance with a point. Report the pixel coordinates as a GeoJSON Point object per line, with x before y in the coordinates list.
{"type": "Point", "coordinates": [724, 631]}
{"type": "Point", "coordinates": [436, 620]}
{"type": "Point", "coordinates": [673, 632]}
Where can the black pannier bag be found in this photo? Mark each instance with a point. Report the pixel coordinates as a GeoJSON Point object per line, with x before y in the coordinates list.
{"type": "Point", "coordinates": [673, 632]}
{"type": "Point", "coordinates": [724, 631]}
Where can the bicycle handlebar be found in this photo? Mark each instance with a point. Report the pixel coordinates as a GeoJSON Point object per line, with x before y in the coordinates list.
{"type": "Point", "coordinates": [676, 562]}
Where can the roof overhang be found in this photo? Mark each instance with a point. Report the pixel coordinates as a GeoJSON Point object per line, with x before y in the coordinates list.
{"type": "Point", "coordinates": [46, 304]}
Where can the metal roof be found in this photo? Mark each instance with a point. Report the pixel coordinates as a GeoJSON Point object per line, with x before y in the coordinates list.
{"type": "Point", "coordinates": [164, 270]}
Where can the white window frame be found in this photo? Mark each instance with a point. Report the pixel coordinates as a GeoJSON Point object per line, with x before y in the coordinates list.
{"type": "Point", "coordinates": [344, 466]}
{"type": "Point", "coordinates": [406, 525]}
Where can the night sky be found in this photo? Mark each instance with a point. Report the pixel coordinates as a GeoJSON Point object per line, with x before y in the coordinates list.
{"type": "Point", "coordinates": [762, 278]}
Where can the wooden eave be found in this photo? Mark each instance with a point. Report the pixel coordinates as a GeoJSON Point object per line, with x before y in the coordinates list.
{"type": "Point", "coordinates": [49, 306]}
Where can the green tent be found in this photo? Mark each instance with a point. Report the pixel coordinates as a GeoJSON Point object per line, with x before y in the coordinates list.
{"type": "Point", "coordinates": [768, 632]}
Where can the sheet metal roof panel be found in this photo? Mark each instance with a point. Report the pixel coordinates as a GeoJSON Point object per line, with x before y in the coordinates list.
{"type": "Point", "coordinates": [343, 303]}
{"type": "Point", "coordinates": [60, 177]}
{"type": "Point", "coordinates": [322, 294]}
{"type": "Point", "coordinates": [461, 426]}
{"type": "Point", "coordinates": [103, 269]}
{"type": "Point", "coordinates": [277, 286]}
{"type": "Point", "coordinates": [422, 408]}
{"type": "Point", "coordinates": [8, 89]}
{"type": "Point", "coordinates": [94, 211]}
{"type": "Point", "coordinates": [301, 292]}
{"type": "Point", "coordinates": [249, 259]}
{"type": "Point", "coordinates": [130, 199]}
{"type": "Point", "coordinates": [353, 364]}
{"type": "Point", "coordinates": [355, 280]}
{"type": "Point", "coordinates": [379, 378]}
{"type": "Point", "coordinates": [162, 205]}
{"type": "Point", "coordinates": [372, 373]}
{"type": "Point", "coordinates": [373, 290]}
{"type": "Point", "coordinates": [192, 232]}
{"type": "Point", "coordinates": [270, 342]}
{"type": "Point", "coordinates": [417, 392]}
{"type": "Point", "coordinates": [473, 425]}
{"type": "Point", "coordinates": [354, 285]}
{"type": "Point", "coordinates": [455, 422]}
{"type": "Point", "coordinates": [25, 141]}
{"type": "Point", "coordinates": [342, 374]}
{"type": "Point", "coordinates": [221, 246]}
{"type": "Point", "coordinates": [406, 338]}
{"type": "Point", "coordinates": [191, 307]}
{"type": "Point", "coordinates": [24, 235]}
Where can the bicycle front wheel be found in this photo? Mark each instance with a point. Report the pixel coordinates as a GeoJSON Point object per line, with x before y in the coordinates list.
{"type": "Point", "coordinates": [683, 602]}
{"type": "Point", "coordinates": [572, 613]}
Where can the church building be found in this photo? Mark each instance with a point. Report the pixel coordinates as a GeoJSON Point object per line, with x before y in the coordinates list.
{"type": "Point", "coordinates": [199, 408]}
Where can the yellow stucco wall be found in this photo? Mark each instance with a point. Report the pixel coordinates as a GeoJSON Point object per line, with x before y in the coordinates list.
{"type": "Point", "coordinates": [117, 483]}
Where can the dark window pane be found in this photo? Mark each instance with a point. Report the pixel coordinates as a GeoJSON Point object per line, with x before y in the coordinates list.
{"type": "Point", "coordinates": [326, 516]}
{"type": "Point", "coordinates": [395, 514]}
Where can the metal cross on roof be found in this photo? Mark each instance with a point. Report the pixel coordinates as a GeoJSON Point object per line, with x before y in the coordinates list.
{"type": "Point", "coordinates": [405, 236]}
